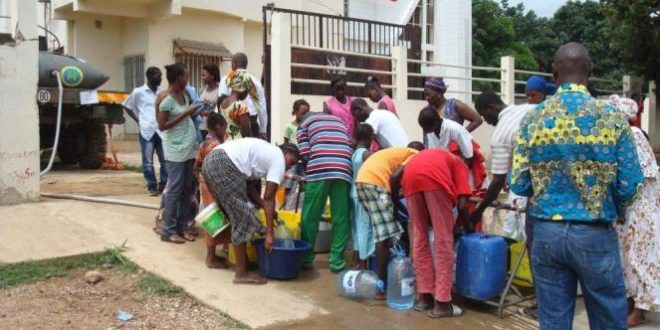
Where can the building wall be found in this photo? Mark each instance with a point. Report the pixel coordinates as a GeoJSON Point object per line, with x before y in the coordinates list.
{"type": "Point", "coordinates": [453, 43]}
{"type": "Point", "coordinates": [100, 45]}
{"type": "Point", "coordinates": [19, 122]}
{"type": "Point", "coordinates": [194, 25]}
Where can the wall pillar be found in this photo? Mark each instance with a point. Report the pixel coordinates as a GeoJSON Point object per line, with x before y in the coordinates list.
{"type": "Point", "coordinates": [280, 68]}
{"type": "Point", "coordinates": [650, 119]}
{"type": "Point", "coordinates": [400, 68]}
{"type": "Point", "coordinates": [19, 121]}
{"type": "Point", "coordinates": [508, 77]}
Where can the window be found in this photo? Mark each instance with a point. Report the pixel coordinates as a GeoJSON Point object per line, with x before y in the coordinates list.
{"type": "Point", "coordinates": [194, 64]}
{"type": "Point", "coordinates": [196, 54]}
{"type": "Point", "coordinates": [133, 72]}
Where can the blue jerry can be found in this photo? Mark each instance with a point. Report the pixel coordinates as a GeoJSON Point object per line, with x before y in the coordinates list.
{"type": "Point", "coordinates": [480, 266]}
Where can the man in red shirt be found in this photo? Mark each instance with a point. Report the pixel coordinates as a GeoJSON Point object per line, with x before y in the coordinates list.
{"type": "Point", "coordinates": [434, 181]}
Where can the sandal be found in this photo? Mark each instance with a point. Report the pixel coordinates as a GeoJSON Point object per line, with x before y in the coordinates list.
{"type": "Point", "coordinates": [176, 239]}
{"type": "Point", "coordinates": [421, 307]}
{"type": "Point", "coordinates": [188, 237]}
{"type": "Point", "coordinates": [250, 279]}
{"type": "Point", "coordinates": [455, 312]}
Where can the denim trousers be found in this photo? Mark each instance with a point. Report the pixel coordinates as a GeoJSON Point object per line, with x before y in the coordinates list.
{"type": "Point", "coordinates": [148, 147]}
{"type": "Point", "coordinates": [179, 193]}
{"type": "Point", "coordinates": [564, 253]}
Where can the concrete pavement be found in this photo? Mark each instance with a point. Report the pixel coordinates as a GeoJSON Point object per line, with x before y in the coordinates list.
{"type": "Point", "coordinates": [55, 228]}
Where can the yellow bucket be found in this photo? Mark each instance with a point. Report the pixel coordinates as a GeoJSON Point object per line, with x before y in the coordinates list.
{"type": "Point", "coordinates": [524, 274]}
{"type": "Point", "coordinates": [291, 221]}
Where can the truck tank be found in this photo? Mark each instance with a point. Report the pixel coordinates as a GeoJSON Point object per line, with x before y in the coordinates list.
{"type": "Point", "coordinates": [85, 110]}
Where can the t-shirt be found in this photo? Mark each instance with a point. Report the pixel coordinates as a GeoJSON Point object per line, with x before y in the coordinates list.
{"type": "Point", "coordinates": [387, 129]}
{"type": "Point", "coordinates": [504, 137]}
{"type": "Point", "coordinates": [436, 169]}
{"type": "Point", "coordinates": [256, 158]}
{"type": "Point", "coordinates": [290, 131]}
{"type": "Point", "coordinates": [324, 140]}
{"type": "Point", "coordinates": [380, 166]}
{"type": "Point", "coordinates": [209, 97]}
{"type": "Point", "coordinates": [180, 141]}
{"type": "Point", "coordinates": [451, 131]}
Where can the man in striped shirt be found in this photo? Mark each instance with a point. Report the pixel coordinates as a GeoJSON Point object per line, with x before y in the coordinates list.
{"type": "Point", "coordinates": [324, 145]}
{"type": "Point", "coordinates": [506, 120]}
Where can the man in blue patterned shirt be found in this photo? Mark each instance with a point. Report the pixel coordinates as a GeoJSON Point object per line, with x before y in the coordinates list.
{"type": "Point", "coordinates": [576, 160]}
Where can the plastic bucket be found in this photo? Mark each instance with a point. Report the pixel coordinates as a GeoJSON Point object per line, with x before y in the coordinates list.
{"type": "Point", "coordinates": [281, 263]}
{"type": "Point", "coordinates": [212, 220]}
{"type": "Point", "coordinates": [323, 238]}
{"type": "Point", "coordinates": [524, 274]}
{"type": "Point", "coordinates": [291, 221]}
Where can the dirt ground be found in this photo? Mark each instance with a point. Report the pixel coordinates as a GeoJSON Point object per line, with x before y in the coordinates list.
{"type": "Point", "coordinates": [71, 303]}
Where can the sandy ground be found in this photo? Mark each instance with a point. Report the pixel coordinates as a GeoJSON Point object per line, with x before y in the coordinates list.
{"type": "Point", "coordinates": [71, 303]}
{"type": "Point", "coordinates": [58, 228]}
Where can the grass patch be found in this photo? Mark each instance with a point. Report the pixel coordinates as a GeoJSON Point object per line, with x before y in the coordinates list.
{"type": "Point", "coordinates": [33, 271]}
{"type": "Point", "coordinates": [133, 168]}
{"type": "Point", "coordinates": [157, 285]}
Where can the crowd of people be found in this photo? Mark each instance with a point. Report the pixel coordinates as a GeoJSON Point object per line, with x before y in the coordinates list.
{"type": "Point", "coordinates": [588, 180]}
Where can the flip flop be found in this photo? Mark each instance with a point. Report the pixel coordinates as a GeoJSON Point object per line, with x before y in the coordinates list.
{"type": "Point", "coordinates": [176, 239]}
{"type": "Point", "coordinates": [455, 312]}
{"type": "Point", "coordinates": [421, 308]}
{"type": "Point", "coordinates": [638, 324]}
{"type": "Point", "coordinates": [250, 280]}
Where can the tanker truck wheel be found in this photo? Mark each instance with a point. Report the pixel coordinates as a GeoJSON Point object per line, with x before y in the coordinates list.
{"type": "Point", "coordinates": [69, 148]}
{"type": "Point", "coordinates": [95, 145]}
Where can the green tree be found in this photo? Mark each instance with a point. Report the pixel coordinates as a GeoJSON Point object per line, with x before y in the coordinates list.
{"type": "Point", "coordinates": [635, 34]}
{"type": "Point", "coordinates": [586, 22]}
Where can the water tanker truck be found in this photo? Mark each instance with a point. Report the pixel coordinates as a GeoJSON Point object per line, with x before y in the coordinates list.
{"type": "Point", "coordinates": [84, 110]}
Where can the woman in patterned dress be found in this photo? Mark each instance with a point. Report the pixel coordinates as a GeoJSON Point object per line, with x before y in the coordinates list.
{"type": "Point", "coordinates": [234, 108]}
{"type": "Point", "coordinates": [639, 234]}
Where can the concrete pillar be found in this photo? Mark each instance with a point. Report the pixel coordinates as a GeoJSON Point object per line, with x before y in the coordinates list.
{"type": "Point", "coordinates": [650, 119]}
{"type": "Point", "coordinates": [280, 68]}
{"type": "Point", "coordinates": [508, 77]}
{"type": "Point", "coordinates": [400, 68]}
{"type": "Point", "coordinates": [19, 121]}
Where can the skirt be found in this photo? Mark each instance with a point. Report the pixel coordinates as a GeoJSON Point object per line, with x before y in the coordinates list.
{"type": "Point", "coordinates": [228, 186]}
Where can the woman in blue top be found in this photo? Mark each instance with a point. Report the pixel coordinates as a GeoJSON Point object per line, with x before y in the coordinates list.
{"type": "Point", "coordinates": [452, 109]}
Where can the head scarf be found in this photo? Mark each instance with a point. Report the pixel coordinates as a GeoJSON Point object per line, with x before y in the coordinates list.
{"type": "Point", "coordinates": [536, 83]}
{"type": "Point", "coordinates": [436, 84]}
{"type": "Point", "coordinates": [627, 106]}
{"type": "Point", "coordinates": [241, 81]}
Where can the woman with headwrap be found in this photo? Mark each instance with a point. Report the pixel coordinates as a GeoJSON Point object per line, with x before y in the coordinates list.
{"type": "Point", "coordinates": [537, 88]}
{"type": "Point", "coordinates": [452, 109]}
{"type": "Point", "coordinates": [639, 235]}
{"type": "Point", "coordinates": [234, 108]}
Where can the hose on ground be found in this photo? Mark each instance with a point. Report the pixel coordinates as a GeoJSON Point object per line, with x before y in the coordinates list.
{"type": "Point", "coordinates": [102, 200]}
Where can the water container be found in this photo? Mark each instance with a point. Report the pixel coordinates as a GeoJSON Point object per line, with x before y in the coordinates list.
{"type": "Point", "coordinates": [480, 266]}
{"type": "Point", "coordinates": [281, 263]}
{"type": "Point", "coordinates": [283, 236]}
{"type": "Point", "coordinates": [359, 284]}
{"type": "Point", "coordinates": [400, 281]}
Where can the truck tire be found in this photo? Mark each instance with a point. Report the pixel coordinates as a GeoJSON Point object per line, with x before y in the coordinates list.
{"type": "Point", "coordinates": [69, 147]}
{"type": "Point", "coordinates": [95, 145]}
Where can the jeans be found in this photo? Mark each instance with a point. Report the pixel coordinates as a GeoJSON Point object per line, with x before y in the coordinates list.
{"type": "Point", "coordinates": [564, 253]}
{"type": "Point", "coordinates": [148, 147]}
{"type": "Point", "coordinates": [179, 193]}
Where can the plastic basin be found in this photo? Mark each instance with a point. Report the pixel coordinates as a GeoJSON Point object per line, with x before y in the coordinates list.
{"type": "Point", "coordinates": [281, 263]}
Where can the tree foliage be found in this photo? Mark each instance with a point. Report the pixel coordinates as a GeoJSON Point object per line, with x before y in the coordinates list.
{"type": "Point", "coordinates": [500, 29]}
{"type": "Point", "coordinates": [635, 32]}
